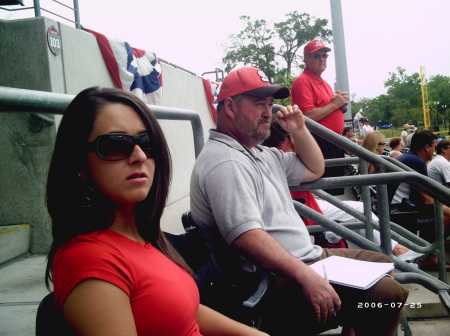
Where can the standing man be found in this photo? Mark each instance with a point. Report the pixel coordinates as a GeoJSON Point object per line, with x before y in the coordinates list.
{"type": "Point", "coordinates": [356, 120]}
{"type": "Point", "coordinates": [439, 167]}
{"type": "Point", "coordinates": [412, 130]}
{"type": "Point", "coordinates": [241, 202]}
{"type": "Point", "coordinates": [317, 100]}
{"type": "Point", "coordinates": [404, 135]}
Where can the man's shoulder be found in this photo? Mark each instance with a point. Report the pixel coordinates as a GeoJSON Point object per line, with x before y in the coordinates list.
{"type": "Point", "coordinates": [413, 161]}
{"type": "Point", "coordinates": [214, 151]}
{"type": "Point", "coordinates": [439, 161]}
{"type": "Point", "coordinates": [408, 156]}
{"type": "Point", "coordinates": [301, 79]}
{"type": "Point", "coordinates": [217, 153]}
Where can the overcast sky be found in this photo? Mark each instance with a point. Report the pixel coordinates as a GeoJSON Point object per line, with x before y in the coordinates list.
{"type": "Point", "coordinates": [380, 35]}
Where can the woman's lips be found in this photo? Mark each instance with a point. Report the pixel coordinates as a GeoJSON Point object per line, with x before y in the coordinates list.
{"type": "Point", "coordinates": [137, 177]}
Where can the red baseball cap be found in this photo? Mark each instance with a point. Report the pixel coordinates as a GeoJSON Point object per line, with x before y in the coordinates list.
{"type": "Point", "coordinates": [313, 46]}
{"type": "Point", "coordinates": [251, 82]}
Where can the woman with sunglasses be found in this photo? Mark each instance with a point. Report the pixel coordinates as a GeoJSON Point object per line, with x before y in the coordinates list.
{"type": "Point", "coordinates": [373, 141]}
{"type": "Point", "coordinates": [112, 269]}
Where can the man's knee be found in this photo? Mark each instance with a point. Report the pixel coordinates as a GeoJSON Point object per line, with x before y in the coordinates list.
{"type": "Point", "coordinates": [389, 292]}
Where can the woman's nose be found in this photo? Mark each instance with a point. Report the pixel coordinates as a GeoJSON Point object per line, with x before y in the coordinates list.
{"type": "Point", "coordinates": [137, 155]}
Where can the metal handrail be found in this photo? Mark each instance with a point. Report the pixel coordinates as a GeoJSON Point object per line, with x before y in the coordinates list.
{"type": "Point", "coordinates": [20, 100]}
{"type": "Point", "coordinates": [392, 171]}
{"type": "Point", "coordinates": [30, 101]}
{"type": "Point", "coordinates": [37, 11]}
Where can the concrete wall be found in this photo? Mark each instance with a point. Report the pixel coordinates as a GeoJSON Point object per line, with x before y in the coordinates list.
{"type": "Point", "coordinates": [27, 62]}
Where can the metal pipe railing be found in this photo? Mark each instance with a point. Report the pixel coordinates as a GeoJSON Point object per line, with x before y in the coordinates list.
{"type": "Point", "coordinates": [30, 101]}
{"type": "Point", "coordinates": [396, 172]}
{"type": "Point", "coordinates": [20, 100]}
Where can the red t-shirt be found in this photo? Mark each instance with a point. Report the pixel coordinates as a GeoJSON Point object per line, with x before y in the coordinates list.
{"type": "Point", "coordinates": [309, 91]}
{"type": "Point", "coordinates": [164, 298]}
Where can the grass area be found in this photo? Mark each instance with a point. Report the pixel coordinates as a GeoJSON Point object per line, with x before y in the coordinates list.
{"type": "Point", "coordinates": [388, 133]}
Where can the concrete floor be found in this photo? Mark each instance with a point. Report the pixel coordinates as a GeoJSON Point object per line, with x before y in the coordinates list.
{"type": "Point", "coordinates": [22, 288]}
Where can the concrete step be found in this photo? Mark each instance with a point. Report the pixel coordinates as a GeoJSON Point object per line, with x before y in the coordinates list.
{"type": "Point", "coordinates": [14, 241]}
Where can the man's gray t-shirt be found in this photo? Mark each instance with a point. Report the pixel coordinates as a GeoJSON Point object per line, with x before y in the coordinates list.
{"type": "Point", "coordinates": [235, 189]}
{"type": "Point", "coordinates": [439, 170]}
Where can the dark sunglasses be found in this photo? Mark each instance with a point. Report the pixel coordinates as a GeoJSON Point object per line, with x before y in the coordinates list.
{"type": "Point", "coordinates": [381, 143]}
{"type": "Point", "coordinates": [318, 56]}
{"type": "Point", "coordinates": [118, 146]}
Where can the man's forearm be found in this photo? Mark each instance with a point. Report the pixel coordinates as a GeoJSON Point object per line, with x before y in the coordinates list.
{"type": "Point", "coordinates": [318, 113]}
{"type": "Point", "coordinates": [309, 152]}
{"type": "Point", "coordinates": [264, 251]}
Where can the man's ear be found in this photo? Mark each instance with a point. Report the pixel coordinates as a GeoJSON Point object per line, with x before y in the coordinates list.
{"type": "Point", "coordinates": [229, 106]}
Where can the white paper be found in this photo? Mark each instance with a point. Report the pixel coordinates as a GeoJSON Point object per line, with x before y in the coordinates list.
{"type": "Point", "coordinates": [353, 273]}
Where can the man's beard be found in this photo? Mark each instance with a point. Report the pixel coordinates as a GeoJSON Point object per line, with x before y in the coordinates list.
{"type": "Point", "coordinates": [243, 124]}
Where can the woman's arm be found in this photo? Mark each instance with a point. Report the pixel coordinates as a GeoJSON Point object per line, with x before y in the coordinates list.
{"type": "Point", "coordinates": [96, 307]}
{"type": "Point", "coordinates": [213, 323]}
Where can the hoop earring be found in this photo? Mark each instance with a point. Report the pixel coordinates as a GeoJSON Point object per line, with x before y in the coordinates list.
{"type": "Point", "coordinates": [86, 196]}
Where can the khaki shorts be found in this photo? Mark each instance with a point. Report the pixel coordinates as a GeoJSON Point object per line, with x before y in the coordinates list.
{"type": "Point", "coordinates": [286, 312]}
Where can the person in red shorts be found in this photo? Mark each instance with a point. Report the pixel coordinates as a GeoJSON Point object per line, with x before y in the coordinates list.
{"type": "Point", "coordinates": [317, 101]}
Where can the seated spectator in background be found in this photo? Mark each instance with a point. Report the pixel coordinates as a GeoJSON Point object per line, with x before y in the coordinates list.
{"type": "Point", "coordinates": [113, 270]}
{"type": "Point", "coordinates": [404, 135]}
{"type": "Point", "coordinates": [366, 127]}
{"type": "Point", "coordinates": [407, 198]}
{"type": "Point", "coordinates": [412, 130]}
{"type": "Point", "coordinates": [348, 133]}
{"type": "Point", "coordinates": [396, 144]}
{"type": "Point", "coordinates": [439, 167]}
{"type": "Point", "coordinates": [281, 139]}
{"type": "Point", "coordinates": [373, 141]}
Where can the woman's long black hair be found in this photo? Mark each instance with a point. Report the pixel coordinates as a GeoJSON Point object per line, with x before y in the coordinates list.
{"type": "Point", "coordinates": [70, 217]}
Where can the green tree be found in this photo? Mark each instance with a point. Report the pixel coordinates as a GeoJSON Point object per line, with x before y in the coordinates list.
{"type": "Point", "coordinates": [439, 91]}
{"type": "Point", "coordinates": [405, 87]}
{"type": "Point", "coordinates": [256, 44]}
{"type": "Point", "coordinates": [252, 46]}
{"type": "Point", "coordinates": [361, 104]}
{"type": "Point", "coordinates": [403, 101]}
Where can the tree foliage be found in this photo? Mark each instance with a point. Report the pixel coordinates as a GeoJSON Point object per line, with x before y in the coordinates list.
{"type": "Point", "coordinates": [274, 47]}
{"type": "Point", "coordinates": [252, 46]}
{"type": "Point", "coordinates": [403, 101]}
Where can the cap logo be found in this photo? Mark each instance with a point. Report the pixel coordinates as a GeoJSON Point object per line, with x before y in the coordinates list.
{"type": "Point", "coordinates": [319, 44]}
{"type": "Point", "coordinates": [263, 76]}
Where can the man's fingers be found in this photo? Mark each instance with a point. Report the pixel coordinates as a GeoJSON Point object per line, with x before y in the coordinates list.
{"type": "Point", "coordinates": [288, 111]}
{"type": "Point", "coordinates": [337, 303]}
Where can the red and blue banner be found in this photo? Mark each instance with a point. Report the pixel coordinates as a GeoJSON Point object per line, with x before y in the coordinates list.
{"type": "Point", "coordinates": [132, 69]}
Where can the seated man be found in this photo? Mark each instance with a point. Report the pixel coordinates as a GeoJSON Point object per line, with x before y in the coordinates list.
{"type": "Point", "coordinates": [240, 200]}
{"type": "Point", "coordinates": [423, 144]}
{"type": "Point", "coordinates": [348, 133]}
{"type": "Point", "coordinates": [439, 167]}
{"type": "Point", "coordinates": [366, 127]}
